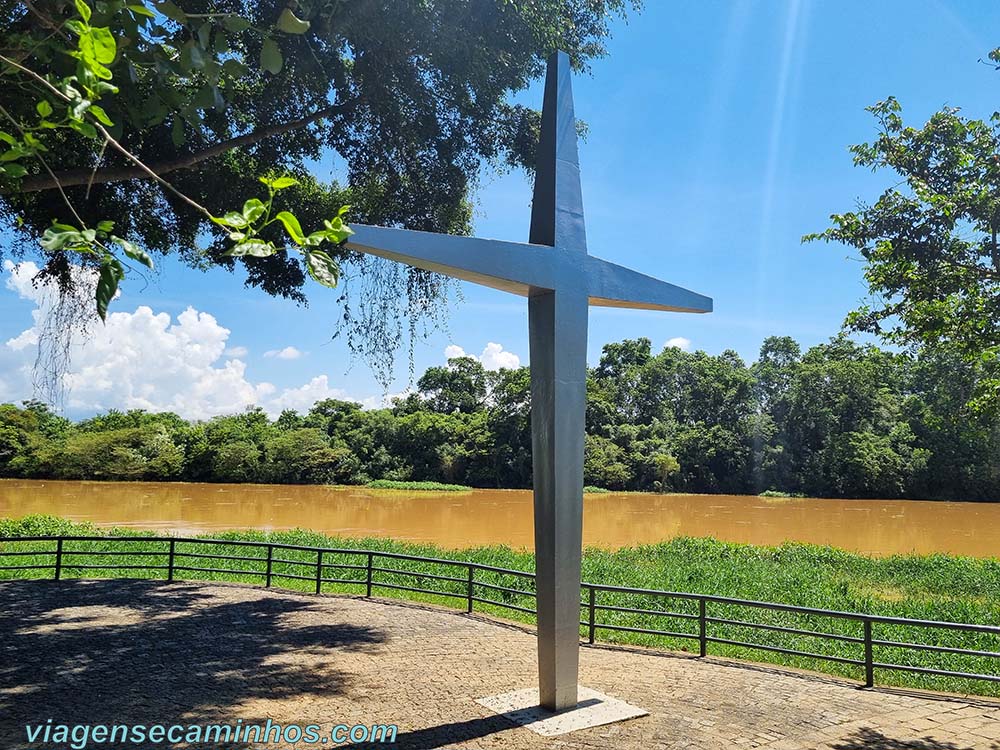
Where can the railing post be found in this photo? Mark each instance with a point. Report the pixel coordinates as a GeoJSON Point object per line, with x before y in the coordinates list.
{"type": "Point", "coordinates": [869, 662]}
{"type": "Point", "coordinates": [702, 628]}
{"type": "Point", "coordinates": [319, 569]}
{"type": "Point", "coordinates": [468, 607]}
{"type": "Point", "coordinates": [170, 561]}
{"type": "Point", "coordinates": [270, 559]}
{"type": "Point", "coordinates": [592, 620]}
{"type": "Point", "coordinates": [59, 558]}
{"type": "Point", "coordinates": [368, 577]}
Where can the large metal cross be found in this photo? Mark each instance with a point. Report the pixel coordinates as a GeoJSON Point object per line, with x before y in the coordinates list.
{"type": "Point", "coordinates": [560, 280]}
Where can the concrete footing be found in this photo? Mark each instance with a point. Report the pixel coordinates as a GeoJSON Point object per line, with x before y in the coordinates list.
{"type": "Point", "coordinates": [593, 709]}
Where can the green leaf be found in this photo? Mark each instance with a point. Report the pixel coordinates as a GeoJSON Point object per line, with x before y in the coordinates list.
{"type": "Point", "coordinates": [279, 183]}
{"type": "Point", "coordinates": [253, 209]}
{"type": "Point", "coordinates": [83, 9]}
{"type": "Point", "coordinates": [205, 34]}
{"type": "Point", "coordinates": [44, 108]}
{"type": "Point", "coordinates": [236, 24]}
{"type": "Point", "coordinates": [292, 226]}
{"type": "Point", "coordinates": [58, 236]}
{"type": "Point", "coordinates": [231, 219]}
{"type": "Point", "coordinates": [171, 11]}
{"type": "Point", "coordinates": [256, 248]}
{"type": "Point", "coordinates": [322, 268]}
{"type": "Point", "coordinates": [270, 57]}
{"type": "Point", "coordinates": [13, 170]}
{"type": "Point", "coordinates": [191, 57]}
{"type": "Point", "coordinates": [234, 68]}
{"type": "Point", "coordinates": [79, 109]}
{"type": "Point", "coordinates": [290, 24]}
{"type": "Point", "coordinates": [220, 44]}
{"type": "Point", "coordinates": [135, 253]}
{"type": "Point", "coordinates": [205, 98]}
{"type": "Point", "coordinates": [100, 115]}
{"type": "Point", "coordinates": [107, 283]}
{"type": "Point", "coordinates": [105, 226]}
{"type": "Point", "coordinates": [341, 234]}
{"type": "Point", "coordinates": [104, 44]}
{"type": "Point", "coordinates": [7, 138]}
{"type": "Point", "coordinates": [141, 10]}
{"type": "Point", "coordinates": [34, 142]}
{"type": "Point", "coordinates": [336, 230]}
{"type": "Point", "coordinates": [101, 72]}
{"type": "Point", "coordinates": [84, 128]}
{"type": "Point", "coordinates": [177, 134]}
{"type": "Point", "coordinates": [234, 219]}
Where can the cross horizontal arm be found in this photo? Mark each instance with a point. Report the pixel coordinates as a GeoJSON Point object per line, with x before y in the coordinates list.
{"type": "Point", "coordinates": [611, 285]}
{"type": "Point", "coordinates": [519, 268]}
{"type": "Point", "coordinates": [509, 266]}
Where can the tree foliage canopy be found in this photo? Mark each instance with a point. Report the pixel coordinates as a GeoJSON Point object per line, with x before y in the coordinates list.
{"type": "Point", "coordinates": [837, 420]}
{"type": "Point", "coordinates": [411, 96]}
{"type": "Point", "coordinates": [932, 259]}
{"type": "Point", "coordinates": [147, 117]}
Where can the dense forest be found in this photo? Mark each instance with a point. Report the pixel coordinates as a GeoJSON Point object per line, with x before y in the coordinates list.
{"type": "Point", "coordinates": [840, 420]}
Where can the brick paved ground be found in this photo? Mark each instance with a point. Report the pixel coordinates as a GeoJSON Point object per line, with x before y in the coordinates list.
{"type": "Point", "coordinates": [141, 652]}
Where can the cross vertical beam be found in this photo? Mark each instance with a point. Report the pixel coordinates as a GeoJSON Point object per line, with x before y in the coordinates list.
{"type": "Point", "coordinates": [554, 271]}
{"type": "Point", "coordinates": [557, 323]}
{"type": "Point", "coordinates": [557, 328]}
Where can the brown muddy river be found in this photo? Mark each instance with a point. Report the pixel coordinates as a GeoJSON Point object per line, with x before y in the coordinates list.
{"type": "Point", "coordinates": [482, 517]}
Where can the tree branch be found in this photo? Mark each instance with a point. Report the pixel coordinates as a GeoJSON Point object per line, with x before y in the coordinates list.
{"type": "Point", "coordinates": [70, 177]}
{"type": "Point", "coordinates": [108, 139]}
{"type": "Point", "coordinates": [45, 165]}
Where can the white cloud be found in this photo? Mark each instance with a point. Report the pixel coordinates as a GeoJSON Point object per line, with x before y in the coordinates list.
{"type": "Point", "coordinates": [20, 280]}
{"type": "Point", "coordinates": [493, 357]}
{"type": "Point", "coordinates": [678, 342]}
{"type": "Point", "coordinates": [23, 340]}
{"type": "Point", "coordinates": [289, 352]}
{"type": "Point", "coordinates": [386, 400]}
{"type": "Point", "coordinates": [145, 360]}
{"type": "Point", "coordinates": [149, 360]}
{"type": "Point", "coordinates": [19, 276]}
{"type": "Point", "coordinates": [302, 398]}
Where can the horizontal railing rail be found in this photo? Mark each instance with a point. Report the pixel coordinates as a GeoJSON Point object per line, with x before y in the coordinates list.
{"type": "Point", "coordinates": [383, 570]}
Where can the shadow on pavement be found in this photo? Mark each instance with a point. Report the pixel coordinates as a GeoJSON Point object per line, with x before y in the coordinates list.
{"type": "Point", "coordinates": [138, 652]}
{"type": "Point", "coordinates": [867, 738]}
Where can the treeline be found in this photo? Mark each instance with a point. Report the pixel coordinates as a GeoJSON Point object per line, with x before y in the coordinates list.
{"type": "Point", "coordinates": [840, 420]}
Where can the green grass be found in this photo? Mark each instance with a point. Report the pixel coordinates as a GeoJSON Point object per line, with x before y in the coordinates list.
{"type": "Point", "coordinates": [589, 490]}
{"type": "Point", "coordinates": [389, 484]}
{"type": "Point", "coordinates": [934, 587]}
{"type": "Point", "coordinates": [779, 493]}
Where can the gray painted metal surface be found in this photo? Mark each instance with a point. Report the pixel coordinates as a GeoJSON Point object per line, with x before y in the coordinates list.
{"type": "Point", "coordinates": [560, 280]}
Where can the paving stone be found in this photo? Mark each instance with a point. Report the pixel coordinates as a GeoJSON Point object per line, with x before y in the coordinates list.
{"type": "Point", "coordinates": [143, 652]}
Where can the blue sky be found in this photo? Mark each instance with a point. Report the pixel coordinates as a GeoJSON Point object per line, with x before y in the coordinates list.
{"type": "Point", "coordinates": [718, 136]}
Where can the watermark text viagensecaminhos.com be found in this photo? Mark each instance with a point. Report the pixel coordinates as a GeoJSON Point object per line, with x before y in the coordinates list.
{"type": "Point", "coordinates": [49, 734]}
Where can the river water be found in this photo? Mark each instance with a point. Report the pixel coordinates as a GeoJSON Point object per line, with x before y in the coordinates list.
{"type": "Point", "coordinates": [483, 517]}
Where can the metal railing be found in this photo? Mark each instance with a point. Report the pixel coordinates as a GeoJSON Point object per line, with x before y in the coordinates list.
{"type": "Point", "coordinates": [377, 570]}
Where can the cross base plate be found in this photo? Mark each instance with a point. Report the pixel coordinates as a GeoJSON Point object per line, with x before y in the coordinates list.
{"type": "Point", "coordinates": [593, 710]}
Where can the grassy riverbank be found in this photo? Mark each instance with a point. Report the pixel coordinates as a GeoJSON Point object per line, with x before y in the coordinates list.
{"type": "Point", "coordinates": [936, 587]}
{"type": "Point", "coordinates": [390, 484]}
